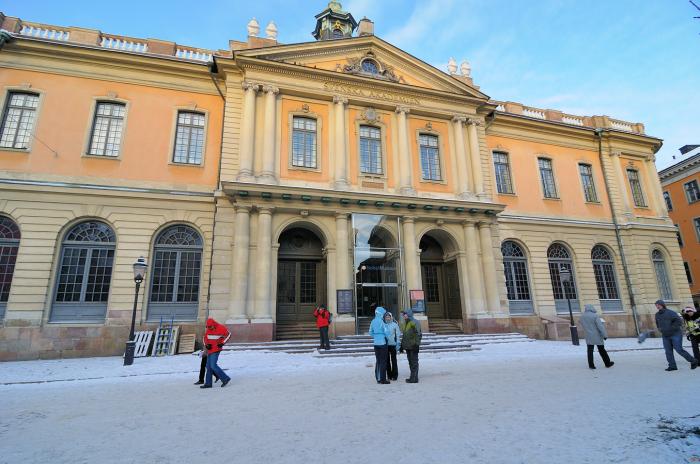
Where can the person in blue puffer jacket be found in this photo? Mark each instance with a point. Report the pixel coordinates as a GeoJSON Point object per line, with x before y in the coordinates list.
{"type": "Point", "coordinates": [394, 341]}
{"type": "Point", "coordinates": [379, 332]}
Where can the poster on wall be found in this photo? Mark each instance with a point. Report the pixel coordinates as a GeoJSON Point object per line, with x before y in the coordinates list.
{"type": "Point", "coordinates": [344, 301]}
{"type": "Point", "coordinates": [417, 301]}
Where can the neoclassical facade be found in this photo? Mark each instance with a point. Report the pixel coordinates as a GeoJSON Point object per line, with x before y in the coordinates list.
{"type": "Point", "coordinates": [262, 180]}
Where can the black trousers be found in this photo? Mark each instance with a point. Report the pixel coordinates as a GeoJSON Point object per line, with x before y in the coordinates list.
{"type": "Point", "coordinates": [325, 342]}
{"type": "Point", "coordinates": [203, 370]}
{"type": "Point", "coordinates": [381, 353]}
{"type": "Point", "coordinates": [392, 368]}
{"type": "Point", "coordinates": [694, 340]}
{"type": "Point", "coordinates": [412, 356]}
{"type": "Point", "coordinates": [601, 351]}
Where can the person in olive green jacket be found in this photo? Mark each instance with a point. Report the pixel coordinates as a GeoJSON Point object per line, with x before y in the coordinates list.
{"type": "Point", "coordinates": [410, 343]}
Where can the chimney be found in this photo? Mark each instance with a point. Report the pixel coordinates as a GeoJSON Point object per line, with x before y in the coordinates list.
{"type": "Point", "coordinates": [366, 27]}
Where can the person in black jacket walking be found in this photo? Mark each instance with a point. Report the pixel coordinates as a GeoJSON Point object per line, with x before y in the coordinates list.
{"type": "Point", "coordinates": [691, 317]}
{"type": "Point", "coordinates": [669, 324]}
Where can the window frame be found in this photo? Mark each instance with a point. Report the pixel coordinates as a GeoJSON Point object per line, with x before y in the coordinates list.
{"type": "Point", "coordinates": [523, 306]}
{"type": "Point", "coordinates": [5, 245]}
{"type": "Point", "coordinates": [542, 181]}
{"type": "Point", "coordinates": [668, 201]}
{"type": "Point", "coordinates": [575, 302]}
{"type": "Point", "coordinates": [440, 155]}
{"type": "Point", "coordinates": [686, 191]}
{"type": "Point", "coordinates": [91, 124]}
{"type": "Point", "coordinates": [606, 304]}
{"type": "Point", "coordinates": [688, 272]}
{"type": "Point", "coordinates": [173, 137]}
{"type": "Point", "coordinates": [642, 200]}
{"type": "Point", "coordinates": [4, 102]}
{"type": "Point", "coordinates": [668, 284]}
{"type": "Point", "coordinates": [593, 185]}
{"type": "Point", "coordinates": [508, 168]}
{"type": "Point", "coordinates": [696, 226]}
{"type": "Point", "coordinates": [382, 141]}
{"type": "Point", "coordinates": [55, 316]}
{"type": "Point", "coordinates": [290, 140]}
{"type": "Point", "coordinates": [679, 236]}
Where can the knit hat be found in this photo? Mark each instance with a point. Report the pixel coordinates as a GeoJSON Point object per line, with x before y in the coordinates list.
{"type": "Point", "coordinates": [661, 302]}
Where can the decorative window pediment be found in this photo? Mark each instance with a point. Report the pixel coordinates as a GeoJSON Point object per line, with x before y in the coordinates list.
{"type": "Point", "coordinates": [369, 66]}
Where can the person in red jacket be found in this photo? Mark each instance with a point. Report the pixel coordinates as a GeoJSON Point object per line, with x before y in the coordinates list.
{"type": "Point", "coordinates": [323, 320]}
{"type": "Point", "coordinates": [215, 337]}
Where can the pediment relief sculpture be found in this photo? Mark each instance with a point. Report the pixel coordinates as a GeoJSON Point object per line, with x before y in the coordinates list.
{"type": "Point", "coordinates": [369, 66]}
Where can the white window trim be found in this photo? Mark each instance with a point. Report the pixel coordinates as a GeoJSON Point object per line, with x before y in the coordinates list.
{"type": "Point", "coordinates": [173, 135]}
{"type": "Point", "coordinates": [441, 156]}
{"type": "Point", "coordinates": [367, 175]}
{"type": "Point", "coordinates": [583, 187]}
{"type": "Point", "coordinates": [37, 114]}
{"type": "Point", "coordinates": [510, 170]}
{"type": "Point", "coordinates": [641, 188]}
{"type": "Point", "coordinates": [685, 191]}
{"type": "Point", "coordinates": [290, 140]}
{"type": "Point", "coordinates": [554, 177]}
{"type": "Point", "coordinates": [90, 124]}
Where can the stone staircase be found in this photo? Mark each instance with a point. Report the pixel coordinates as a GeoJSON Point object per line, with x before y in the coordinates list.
{"type": "Point", "coordinates": [296, 331]}
{"type": "Point", "coordinates": [445, 326]}
{"type": "Point", "coordinates": [361, 345]}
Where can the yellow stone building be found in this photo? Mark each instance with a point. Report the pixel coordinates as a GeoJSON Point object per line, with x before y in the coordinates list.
{"type": "Point", "coordinates": [261, 180]}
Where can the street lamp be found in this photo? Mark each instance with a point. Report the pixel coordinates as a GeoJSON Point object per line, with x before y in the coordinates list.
{"type": "Point", "coordinates": [565, 276]}
{"type": "Point", "coordinates": [139, 271]}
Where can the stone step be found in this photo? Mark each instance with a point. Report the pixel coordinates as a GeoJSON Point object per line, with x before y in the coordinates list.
{"type": "Point", "coordinates": [337, 354]}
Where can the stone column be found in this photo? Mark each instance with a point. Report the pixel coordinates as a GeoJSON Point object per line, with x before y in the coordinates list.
{"type": "Point", "coordinates": [262, 265]}
{"type": "Point", "coordinates": [474, 269]}
{"type": "Point", "coordinates": [463, 174]}
{"type": "Point", "coordinates": [405, 160]}
{"type": "Point", "coordinates": [269, 135]}
{"type": "Point", "coordinates": [622, 184]}
{"type": "Point", "coordinates": [475, 157]}
{"type": "Point", "coordinates": [239, 265]}
{"type": "Point", "coordinates": [340, 152]}
{"type": "Point", "coordinates": [412, 261]}
{"type": "Point", "coordinates": [656, 191]}
{"type": "Point", "coordinates": [245, 170]}
{"type": "Point", "coordinates": [342, 270]}
{"type": "Point", "coordinates": [493, 299]}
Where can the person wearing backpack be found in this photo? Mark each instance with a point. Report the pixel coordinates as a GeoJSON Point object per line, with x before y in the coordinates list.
{"type": "Point", "coordinates": [323, 320]}
{"type": "Point", "coordinates": [410, 343]}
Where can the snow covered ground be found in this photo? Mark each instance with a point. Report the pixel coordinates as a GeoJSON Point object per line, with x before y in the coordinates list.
{"type": "Point", "coordinates": [532, 402]}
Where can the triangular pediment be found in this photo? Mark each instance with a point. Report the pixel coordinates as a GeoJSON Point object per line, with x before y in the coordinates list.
{"type": "Point", "coordinates": [351, 57]}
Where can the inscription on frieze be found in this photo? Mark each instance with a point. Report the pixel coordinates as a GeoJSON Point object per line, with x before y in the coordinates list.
{"type": "Point", "coordinates": [348, 89]}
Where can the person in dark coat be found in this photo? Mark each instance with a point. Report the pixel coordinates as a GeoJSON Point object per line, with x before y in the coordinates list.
{"type": "Point", "coordinates": [595, 335]}
{"type": "Point", "coordinates": [691, 317]}
{"type": "Point", "coordinates": [669, 324]}
{"type": "Point", "coordinates": [323, 316]}
{"type": "Point", "coordinates": [393, 342]}
{"type": "Point", "coordinates": [410, 342]}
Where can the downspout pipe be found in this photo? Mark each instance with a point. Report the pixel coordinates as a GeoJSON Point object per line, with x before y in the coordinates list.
{"type": "Point", "coordinates": [625, 270]}
{"type": "Point", "coordinates": [213, 69]}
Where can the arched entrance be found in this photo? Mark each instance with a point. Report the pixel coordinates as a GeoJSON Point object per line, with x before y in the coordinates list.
{"type": "Point", "coordinates": [301, 283]}
{"type": "Point", "coordinates": [440, 281]}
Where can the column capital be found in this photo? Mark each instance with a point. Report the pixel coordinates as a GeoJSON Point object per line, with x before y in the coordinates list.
{"type": "Point", "coordinates": [402, 109]}
{"type": "Point", "coordinates": [242, 208]}
{"type": "Point", "coordinates": [459, 118]}
{"type": "Point", "coordinates": [652, 158]}
{"type": "Point", "coordinates": [271, 89]}
{"type": "Point", "coordinates": [247, 85]}
{"type": "Point", "coordinates": [469, 223]}
{"type": "Point", "coordinates": [474, 122]}
{"type": "Point", "coordinates": [616, 153]}
{"type": "Point", "coordinates": [340, 99]}
{"type": "Point", "coordinates": [341, 215]}
{"type": "Point", "coordinates": [265, 209]}
{"type": "Point", "coordinates": [483, 223]}
{"type": "Point", "coordinates": [408, 219]}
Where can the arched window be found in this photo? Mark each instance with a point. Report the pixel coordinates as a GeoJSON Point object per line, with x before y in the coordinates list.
{"type": "Point", "coordinates": [370, 66]}
{"type": "Point", "coordinates": [605, 280]}
{"type": "Point", "coordinates": [517, 282]}
{"type": "Point", "coordinates": [338, 33]}
{"type": "Point", "coordinates": [9, 245]}
{"type": "Point", "coordinates": [177, 264]}
{"type": "Point", "coordinates": [559, 260]}
{"type": "Point", "coordinates": [84, 273]}
{"type": "Point", "coordinates": [661, 275]}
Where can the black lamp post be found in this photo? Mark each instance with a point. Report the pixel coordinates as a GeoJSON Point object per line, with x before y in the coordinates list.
{"type": "Point", "coordinates": [139, 271]}
{"type": "Point", "coordinates": [565, 276]}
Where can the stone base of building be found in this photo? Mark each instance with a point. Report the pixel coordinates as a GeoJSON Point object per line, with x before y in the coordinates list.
{"type": "Point", "coordinates": [557, 327]}
{"type": "Point", "coordinates": [486, 325]}
{"type": "Point", "coordinates": [55, 342]}
{"type": "Point", "coordinates": [252, 331]}
{"type": "Point", "coordinates": [342, 325]}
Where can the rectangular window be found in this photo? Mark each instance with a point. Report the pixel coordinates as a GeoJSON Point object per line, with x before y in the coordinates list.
{"type": "Point", "coordinates": [678, 236]}
{"type": "Point", "coordinates": [189, 138]}
{"type": "Point", "coordinates": [18, 120]}
{"type": "Point", "coordinates": [304, 142]}
{"type": "Point", "coordinates": [667, 199]}
{"type": "Point", "coordinates": [107, 126]}
{"type": "Point", "coordinates": [502, 169]}
{"type": "Point", "coordinates": [429, 157]}
{"type": "Point", "coordinates": [636, 187]}
{"type": "Point", "coordinates": [687, 272]}
{"type": "Point", "coordinates": [370, 150]}
{"type": "Point", "coordinates": [692, 192]}
{"type": "Point", "coordinates": [586, 171]}
{"type": "Point", "coordinates": [696, 223]}
{"type": "Point", "coordinates": [547, 174]}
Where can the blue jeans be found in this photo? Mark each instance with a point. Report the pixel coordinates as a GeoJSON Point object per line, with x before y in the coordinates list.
{"type": "Point", "coordinates": [213, 368]}
{"type": "Point", "coordinates": [675, 342]}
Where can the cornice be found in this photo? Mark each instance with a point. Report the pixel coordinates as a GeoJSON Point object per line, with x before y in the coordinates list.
{"type": "Point", "coordinates": [683, 165]}
{"type": "Point", "coordinates": [105, 64]}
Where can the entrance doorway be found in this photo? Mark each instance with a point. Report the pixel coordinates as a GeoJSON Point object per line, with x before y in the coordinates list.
{"type": "Point", "coordinates": [440, 281]}
{"type": "Point", "coordinates": [301, 283]}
